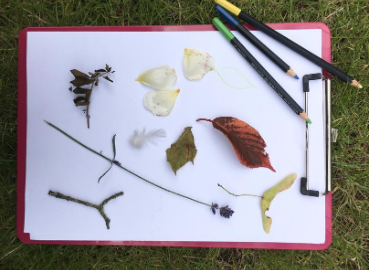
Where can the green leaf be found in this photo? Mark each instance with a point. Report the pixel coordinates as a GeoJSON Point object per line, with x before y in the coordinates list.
{"type": "Point", "coordinates": [80, 90]}
{"type": "Point", "coordinates": [78, 74]}
{"type": "Point", "coordinates": [182, 151]}
{"type": "Point", "coordinates": [111, 164]}
{"type": "Point", "coordinates": [79, 81]}
{"type": "Point", "coordinates": [270, 194]}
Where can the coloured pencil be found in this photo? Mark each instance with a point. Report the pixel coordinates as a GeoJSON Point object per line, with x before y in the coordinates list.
{"type": "Point", "coordinates": [289, 43]}
{"type": "Point", "coordinates": [260, 69]}
{"type": "Point", "coordinates": [255, 41]}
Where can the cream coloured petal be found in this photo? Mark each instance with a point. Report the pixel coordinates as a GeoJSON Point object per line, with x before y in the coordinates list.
{"type": "Point", "coordinates": [161, 78]}
{"type": "Point", "coordinates": [160, 102]}
{"type": "Point", "coordinates": [196, 64]}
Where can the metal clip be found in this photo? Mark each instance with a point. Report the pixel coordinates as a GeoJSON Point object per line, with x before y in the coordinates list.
{"type": "Point", "coordinates": [304, 187]}
{"type": "Point", "coordinates": [334, 134]}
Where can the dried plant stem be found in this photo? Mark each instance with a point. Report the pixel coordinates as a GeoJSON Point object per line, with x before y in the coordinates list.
{"type": "Point", "coordinates": [88, 106]}
{"type": "Point", "coordinates": [99, 207]}
{"type": "Point", "coordinates": [204, 119]}
{"type": "Point", "coordinates": [120, 166]}
{"type": "Point", "coordinates": [238, 195]}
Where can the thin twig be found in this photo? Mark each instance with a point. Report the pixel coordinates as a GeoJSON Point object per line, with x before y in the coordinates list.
{"type": "Point", "coordinates": [111, 163]}
{"type": "Point", "coordinates": [88, 105]}
{"type": "Point", "coordinates": [90, 94]}
{"type": "Point", "coordinates": [238, 195]}
{"type": "Point", "coordinates": [99, 207]}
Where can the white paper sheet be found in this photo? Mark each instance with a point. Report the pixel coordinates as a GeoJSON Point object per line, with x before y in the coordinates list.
{"type": "Point", "coordinates": [145, 212]}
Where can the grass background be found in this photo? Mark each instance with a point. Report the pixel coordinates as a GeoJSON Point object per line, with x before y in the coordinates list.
{"type": "Point", "coordinates": [348, 21]}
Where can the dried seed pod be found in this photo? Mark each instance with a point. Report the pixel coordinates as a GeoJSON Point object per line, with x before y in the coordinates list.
{"type": "Point", "coordinates": [270, 194]}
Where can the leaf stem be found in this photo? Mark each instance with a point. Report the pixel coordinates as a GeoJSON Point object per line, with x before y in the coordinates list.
{"type": "Point", "coordinates": [111, 163]}
{"type": "Point", "coordinates": [98, 207]}
{"type": "Point", "coordinates": [88, 105]}
{"type": "Point", "coordinates": [95, 78]}
{"type": "Point", "coordinates": [204, 119]}
{"type": "Point", "coordinates": [215, 124]}
{"type": "Point", "coordinates": [238, 195]}
{"type": "Point", "coordinates": [120, 166]}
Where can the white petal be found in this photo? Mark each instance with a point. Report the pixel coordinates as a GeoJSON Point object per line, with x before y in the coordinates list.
{"type": "Point", "coordinates": [197, 63]}
{"type": "Point", "coordinates": [161, 78]}
{"type": "Point", "coordinates": [160, 102]}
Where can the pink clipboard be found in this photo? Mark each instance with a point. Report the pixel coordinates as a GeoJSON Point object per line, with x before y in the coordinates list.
{"type": "Point", "coordinates": [22, 141]}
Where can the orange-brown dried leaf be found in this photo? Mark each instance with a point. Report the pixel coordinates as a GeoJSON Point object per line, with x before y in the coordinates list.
{"type": "Point", "coordinates": [246, 141]}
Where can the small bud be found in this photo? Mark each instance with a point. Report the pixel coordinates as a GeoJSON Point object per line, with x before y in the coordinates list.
{"type": "Point", "coordinates": [116, 162]}
{"type": "Point", "coordinates": [213, 207]}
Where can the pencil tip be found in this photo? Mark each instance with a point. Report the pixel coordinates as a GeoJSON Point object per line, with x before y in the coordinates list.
{"type": "Point", "coordinates": [356, 84]}
{"type": "Point", "coordinates": [296, 77]}
{"type": "Point", "coordinates": [309, 121]}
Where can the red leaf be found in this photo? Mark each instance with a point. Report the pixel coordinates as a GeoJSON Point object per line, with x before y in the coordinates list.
{"type": "Point", "coordinates": [246, 141]}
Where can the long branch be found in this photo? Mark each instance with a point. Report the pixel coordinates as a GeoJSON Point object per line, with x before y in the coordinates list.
{"type": "Point", "coordinates": [98, 207]}
{"type": "Point", "coordinates": [120, 166]}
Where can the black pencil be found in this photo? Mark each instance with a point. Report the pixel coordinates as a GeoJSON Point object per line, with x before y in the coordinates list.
{"type": "Point", "coordinates": [255, 41]}
{"type": "Point", "coordinates": [289, 43]}
{"type": "Point", "coordinates": [261, 70]}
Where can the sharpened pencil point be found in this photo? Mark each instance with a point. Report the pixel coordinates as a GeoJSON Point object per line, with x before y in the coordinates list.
{"type": "Point", "coordinates": [309, 121]}
{"type": "Point", "coordinates": [292, 73]}
{"type": "Point", "coordinates": [356, 84]}
{"type": "Point", "coordinates": [296, 77]}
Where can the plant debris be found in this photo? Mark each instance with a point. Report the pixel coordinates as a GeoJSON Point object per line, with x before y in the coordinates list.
{"type": "Point", "coordinates": [161, 78]}
{"type": "Point", "coordinates": [246, 141]}
{"type": "Point", "coordinates": [270, 194]}
{"type": "Point", "coordinates": [196, 64]}
{"type": "Point", "coordinates": [98, 207]}
{"type": "Point", "coordinates": [84, 94]}
{"type": "Point", "coordinates": [161, 102]}
{"type": "Point", "coordinates": [182, 151]}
